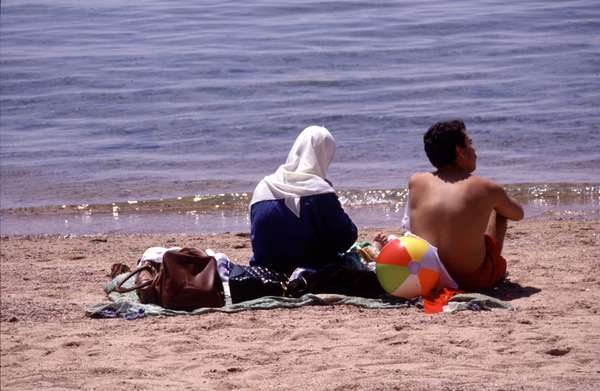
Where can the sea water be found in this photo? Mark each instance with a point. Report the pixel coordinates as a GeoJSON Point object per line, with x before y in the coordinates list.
{"type": "Point", "coordinates": [116, 115]}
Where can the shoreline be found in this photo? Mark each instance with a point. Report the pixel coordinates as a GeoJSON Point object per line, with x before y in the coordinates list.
{"type": "Point", "coordinates": [550, 194]}
{"type": "Point", "coordinates": [228, 212]}
{"type": "Point", "coordinates": [48, 342]}
{"type": "Point", "coordinates": [193, 223]}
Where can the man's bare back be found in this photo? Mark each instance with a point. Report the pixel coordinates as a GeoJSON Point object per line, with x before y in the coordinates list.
{"type": "Point", "coordinates": [453, 209]}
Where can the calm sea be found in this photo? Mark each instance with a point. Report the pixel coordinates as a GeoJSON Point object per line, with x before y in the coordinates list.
{"type": "Point", "coordinates": [127, 104]}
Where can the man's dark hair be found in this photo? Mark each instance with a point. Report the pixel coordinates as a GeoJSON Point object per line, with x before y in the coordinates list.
{"type": "Point", "coordinates": [441, 140]}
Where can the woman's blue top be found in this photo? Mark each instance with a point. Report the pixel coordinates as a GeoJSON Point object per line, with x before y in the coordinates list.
{"type": "Point", "coordinates": [283, 242]}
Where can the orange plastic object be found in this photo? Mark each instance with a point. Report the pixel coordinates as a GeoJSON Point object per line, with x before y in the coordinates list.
{"type": "Point", "coordinates": [428, 279]}
{"type": "Point", "coordinates": [435, 301]}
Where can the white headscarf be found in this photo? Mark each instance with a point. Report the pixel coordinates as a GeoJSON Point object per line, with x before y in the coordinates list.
{"type": "Point", "coordinates": [303, 173]}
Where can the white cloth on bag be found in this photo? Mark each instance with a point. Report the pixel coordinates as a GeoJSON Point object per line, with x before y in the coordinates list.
{"type": "Point", "coordinates": [155, 254]}
{"type": "Point", "coordinates": [303, 173]}
{"type": "Point", "coordinates": [224, 266]}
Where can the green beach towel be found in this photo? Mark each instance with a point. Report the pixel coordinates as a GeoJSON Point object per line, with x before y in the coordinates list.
{"type": "Point", "coordinates": [128, 306]}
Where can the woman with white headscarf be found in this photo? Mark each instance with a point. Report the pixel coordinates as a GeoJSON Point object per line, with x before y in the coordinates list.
{"type": "Point", "coordinates": [296, 218]}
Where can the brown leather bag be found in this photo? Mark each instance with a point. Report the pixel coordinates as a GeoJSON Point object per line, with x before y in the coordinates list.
{"type": "Point", "coordinates": [147, 272]}
{"type": "Point", "coordinates": [186, 280]}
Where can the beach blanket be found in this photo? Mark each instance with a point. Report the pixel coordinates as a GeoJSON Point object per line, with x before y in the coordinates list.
{"type": "Point", "coordinates": [475, 302]}
{"type": "Point", "coordinates": [128, 306]}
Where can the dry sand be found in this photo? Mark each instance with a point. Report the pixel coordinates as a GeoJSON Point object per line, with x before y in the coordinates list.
{"type": "Point", "coordinates": [551, 340]}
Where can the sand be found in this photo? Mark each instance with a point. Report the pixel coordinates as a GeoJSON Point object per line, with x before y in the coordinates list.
{"type": "Point", "coordinates": [550, 341]}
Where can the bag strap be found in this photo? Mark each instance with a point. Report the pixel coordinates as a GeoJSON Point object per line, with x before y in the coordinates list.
{"type": "Point", "coordinates": [119, 288]}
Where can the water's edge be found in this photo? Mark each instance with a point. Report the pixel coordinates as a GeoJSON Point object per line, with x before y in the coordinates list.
{"type": "Point", "coordinates": [229, 211]}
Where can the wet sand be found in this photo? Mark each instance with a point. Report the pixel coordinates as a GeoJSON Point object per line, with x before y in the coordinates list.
{"type": "Point", "coordinates": [550, 340]}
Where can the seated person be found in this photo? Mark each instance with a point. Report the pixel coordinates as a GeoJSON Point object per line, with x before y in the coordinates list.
{"type": "Point", "coordinates": [295, 216]}
{"type": "Point", "coordinates": [461, 214]}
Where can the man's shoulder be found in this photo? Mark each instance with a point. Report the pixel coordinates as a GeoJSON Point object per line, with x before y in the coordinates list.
{"type": "Point", "coordinates": [477, 180]}
{"type": "Point", "coordinates": [420, 177]}
{"type": "Point", "coordinates": [484, 187]}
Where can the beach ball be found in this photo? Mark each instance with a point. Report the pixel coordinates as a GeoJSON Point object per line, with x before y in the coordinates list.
{"type": "Point", "coordinates": [408, 267]}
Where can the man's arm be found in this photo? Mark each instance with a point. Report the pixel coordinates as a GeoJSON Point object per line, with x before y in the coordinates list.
{"type": "Point", "coordinates": [506, 205]}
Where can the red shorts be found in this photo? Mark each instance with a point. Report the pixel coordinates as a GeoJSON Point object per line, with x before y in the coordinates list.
{"type": "Point", "coordinates": [491, 271]}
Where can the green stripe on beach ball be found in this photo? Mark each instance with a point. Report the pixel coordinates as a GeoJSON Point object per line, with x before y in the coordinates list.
{"type": "Point", "coordinates": [391, 276]}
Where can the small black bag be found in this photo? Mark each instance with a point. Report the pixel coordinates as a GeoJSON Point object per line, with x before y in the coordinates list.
{"type": "Point", "coordinates": [339, 279]}
{"type": "Point", "coordinates": [251, 282]}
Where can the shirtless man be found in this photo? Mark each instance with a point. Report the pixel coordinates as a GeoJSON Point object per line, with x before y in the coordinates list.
{"type": "Point", "coordinates": [461, 214]}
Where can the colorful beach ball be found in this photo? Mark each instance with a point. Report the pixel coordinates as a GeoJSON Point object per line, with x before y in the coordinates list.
{"type": "Point", "coordinates": [408, 267]}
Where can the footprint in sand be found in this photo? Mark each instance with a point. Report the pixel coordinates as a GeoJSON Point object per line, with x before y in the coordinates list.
{"type": "Point", "coordinates": [557, 352]}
